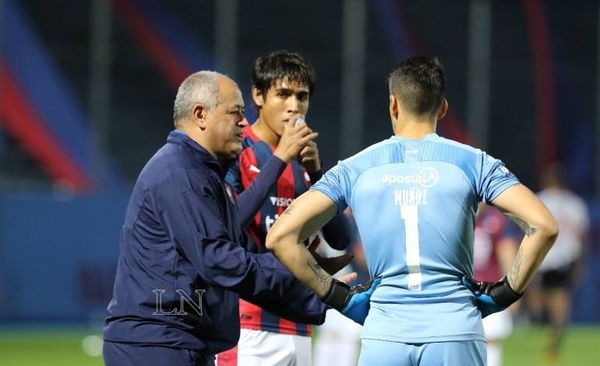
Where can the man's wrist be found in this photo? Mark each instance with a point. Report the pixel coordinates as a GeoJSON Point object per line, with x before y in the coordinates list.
{"type": "Point", "coordinates": [337, 295]}
{"type": "Point", "coordinates": [507, 295]}
{"type": "Point", "coordinates": [281, 157]}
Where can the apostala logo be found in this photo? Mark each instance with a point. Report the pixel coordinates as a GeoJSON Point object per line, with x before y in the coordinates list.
{"type": "Point", "coordinates": [426, 178]}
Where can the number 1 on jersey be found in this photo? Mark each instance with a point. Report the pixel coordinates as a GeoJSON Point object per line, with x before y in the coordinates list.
{"type": "Point", "coordinates": [410, 215]}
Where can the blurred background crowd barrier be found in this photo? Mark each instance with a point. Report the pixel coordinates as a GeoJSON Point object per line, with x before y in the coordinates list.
{"type": "Point", "coordinates": [87, 87]}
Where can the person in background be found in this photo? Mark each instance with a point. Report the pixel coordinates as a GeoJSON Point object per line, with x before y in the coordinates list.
{"type": "Point", "coordinates": [562, 270]}
{"type": "Point", "coordinates": [414, 198]}
{"type": "Point", "coordinates": [182, 266]}
{"type": "Point", "coordinates": [496, 242]}
{"type": "Point", "coordinates": [278, 162]}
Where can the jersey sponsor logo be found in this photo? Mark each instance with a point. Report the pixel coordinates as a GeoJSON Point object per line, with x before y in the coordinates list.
{"type": "Point", "coordinates": [281, 201]}
{"type": "Point", "coordinates": [426, 178]}
{"type": "Point", "coordinates": [253, 168]}
{"type": "Point", "coordinates": [269, 221]}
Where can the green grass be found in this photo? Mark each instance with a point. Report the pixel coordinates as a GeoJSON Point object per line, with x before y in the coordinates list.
{"type": "Point", "coordinates": [525, 347]}
{"type": "Point", "coordinates": [54, 347]}
{"type": "Point", "coordinates": [48, 347]}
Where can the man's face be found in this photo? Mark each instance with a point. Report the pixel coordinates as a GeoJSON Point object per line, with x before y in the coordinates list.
{"type": "Point", "coordinates": [284, 103]}
{"type": "Point", "coordinates": [225, 122]}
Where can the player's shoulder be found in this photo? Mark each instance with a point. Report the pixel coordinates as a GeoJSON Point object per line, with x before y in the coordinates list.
{"type": "Point", "coordinates": [251, 145]}
{"type": "Point", "coordinates": [432, 143]}
{"type": "Point", "coordinates": [249, 138]}
{"type": "Point", "coordinates": [453, 144]}
{"type": "Point", "coordinates": [370, 151]}
{"type": "Point", "coordinates": [578, 203]}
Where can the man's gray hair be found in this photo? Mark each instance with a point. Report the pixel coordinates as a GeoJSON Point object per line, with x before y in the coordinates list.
{"type": "Point", "coordinates": [201, 88]}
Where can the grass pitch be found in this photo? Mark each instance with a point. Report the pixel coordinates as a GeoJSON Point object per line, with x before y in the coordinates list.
{"type": "Point", "coordinates": [49, 347]}
{"type": "Point", "coordinates": [76, 347]}
{"type": "Point", "coordinates": [525, 347]}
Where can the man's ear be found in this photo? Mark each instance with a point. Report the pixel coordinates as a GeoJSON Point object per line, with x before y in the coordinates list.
{"type": "Point", "coordinates": [443, 109]}
{"type": "Point", "coordinates": [199, 115]}
{"type": "Point", "coordinates": [394, 107]}
{"type": "Point", "coordinates": [257, 97]}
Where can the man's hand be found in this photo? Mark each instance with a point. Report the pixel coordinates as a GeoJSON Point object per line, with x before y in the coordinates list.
{"type": "Point", "coordinates": [354, 302]}
{"type": "Point", "coordinates": [309, 157]}
{"type": "Point", "coordinates": [293, 140]}
{"type": "Point", "coordinates": [331, 265]}
{"type": "Point", "coordinates": [491, 296]}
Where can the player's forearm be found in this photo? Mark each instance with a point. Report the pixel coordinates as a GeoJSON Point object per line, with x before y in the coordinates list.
{"type": "Point", "coordinates": [251, 199]}
{"type": "Point", "coordinates": [306, 215]}
{"type": "Point", "coordinates": [300, 262]}
{"type": "Point", "coordinates": [525, 209]}
{"type": "Point", "coordinates": [534, 247]}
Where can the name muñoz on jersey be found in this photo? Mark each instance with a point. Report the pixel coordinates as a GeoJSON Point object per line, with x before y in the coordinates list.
{"type": "Point", "coordinates": [414, 202]}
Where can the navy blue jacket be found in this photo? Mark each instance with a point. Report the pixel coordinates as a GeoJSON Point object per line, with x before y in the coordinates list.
{"type": "Point", "coordinates": [182, 267]}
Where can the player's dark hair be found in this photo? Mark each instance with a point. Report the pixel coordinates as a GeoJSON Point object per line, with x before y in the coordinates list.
{"type": "Point", "coordinates": [282, 65]}
{"type": "Point", "coordinates": [418, 83]}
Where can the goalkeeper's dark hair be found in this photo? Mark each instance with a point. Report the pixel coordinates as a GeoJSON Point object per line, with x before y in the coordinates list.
{"type": "Point", "coordinates": [418, 83]}
{"type": "Point", "coordinates": [282, 65]}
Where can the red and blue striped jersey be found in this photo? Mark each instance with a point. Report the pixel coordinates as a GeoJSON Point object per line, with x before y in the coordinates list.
{"type": "Point", "coordinates": [293, 181]}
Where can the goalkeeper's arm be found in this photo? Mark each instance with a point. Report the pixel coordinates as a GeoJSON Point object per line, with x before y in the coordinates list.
{"type": "Point", "coordinates": [307, 214]}
{"type": "Point", "coordinates": [524, 208]}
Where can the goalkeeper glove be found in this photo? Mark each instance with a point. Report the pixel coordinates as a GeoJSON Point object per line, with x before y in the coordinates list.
{"type": "Point", "coordinates": [331, 265]}
{"type": "Point", "coordinates": [491, 296]}
{"type": "Point", "coordinates": [354, 302]}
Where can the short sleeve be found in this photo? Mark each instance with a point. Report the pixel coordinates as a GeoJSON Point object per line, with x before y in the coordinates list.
{"type": "Point", "coordinates": [334, 184]}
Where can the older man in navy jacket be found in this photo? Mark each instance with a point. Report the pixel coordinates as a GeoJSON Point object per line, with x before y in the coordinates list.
{"type": "Point", "coordinates": [181, 267]}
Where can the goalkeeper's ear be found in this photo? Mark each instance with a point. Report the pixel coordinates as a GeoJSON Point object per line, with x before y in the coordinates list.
{"type": "Point", "coordinates": [443, 109]}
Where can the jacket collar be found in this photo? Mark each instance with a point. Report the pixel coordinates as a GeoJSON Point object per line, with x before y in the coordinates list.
{"type": "Point", "coordinates": [181, 138]}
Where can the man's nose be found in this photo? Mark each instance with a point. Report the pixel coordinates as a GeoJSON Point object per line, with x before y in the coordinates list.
{"type": "Point", "coordinates": [294, 104]}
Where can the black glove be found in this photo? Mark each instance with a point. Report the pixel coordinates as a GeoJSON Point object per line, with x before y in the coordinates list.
{"type": "Point", "coordinates": [354, 302]}
{"type": "Point", "coordinates": [331, 265]}
{"type": "Point", "coordinates": [491, 296]}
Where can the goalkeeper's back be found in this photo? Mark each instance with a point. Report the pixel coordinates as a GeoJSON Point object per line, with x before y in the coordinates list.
{"type": "Point", "coordinates": [414, 202]}
{"type": "Point", "coordinates": [414, 198]}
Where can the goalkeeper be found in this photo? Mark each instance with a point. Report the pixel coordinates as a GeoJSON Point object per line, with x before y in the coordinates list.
{"type": "Point", "coordinates": [414, 198]}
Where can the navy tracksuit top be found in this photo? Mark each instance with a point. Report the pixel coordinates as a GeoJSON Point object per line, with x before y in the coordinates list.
{"type": "Point", "coordinates": [182, 268]}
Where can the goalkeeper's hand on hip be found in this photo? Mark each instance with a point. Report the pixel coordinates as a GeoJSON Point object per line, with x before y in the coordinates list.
{"type": "Point", "coordinates": [492, 297]}
{"type": "Point", "coordinates": [353, 302]}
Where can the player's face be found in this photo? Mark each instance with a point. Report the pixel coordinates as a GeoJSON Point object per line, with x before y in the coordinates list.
{"type": "Point", "coordinates": [284, 103]}
{"type": "Point", "coordinates": [226, 122]}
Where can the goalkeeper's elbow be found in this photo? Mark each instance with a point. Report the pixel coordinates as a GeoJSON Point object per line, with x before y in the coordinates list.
{"type": "Point", "coordinates": [548, 230]}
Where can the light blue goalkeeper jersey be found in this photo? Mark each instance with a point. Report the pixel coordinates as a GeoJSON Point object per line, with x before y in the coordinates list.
{"type": "Point", "coordinates": [414, 202]}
